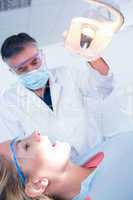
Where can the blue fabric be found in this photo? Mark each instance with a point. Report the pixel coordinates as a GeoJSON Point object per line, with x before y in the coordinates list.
{"type": "Point", "coordinates": [113, 178]}
{"type": "Point", "coordinates": [47, 96]}
{"type": "Point", "coordinates": [19, 171]}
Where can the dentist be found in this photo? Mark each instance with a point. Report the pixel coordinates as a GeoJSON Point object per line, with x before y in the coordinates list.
{"type": "Point", "coordinates": [54, 101]}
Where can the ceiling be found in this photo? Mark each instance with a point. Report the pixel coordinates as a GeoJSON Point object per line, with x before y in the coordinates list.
{"type": "Point", "coordinates": [47, 19]}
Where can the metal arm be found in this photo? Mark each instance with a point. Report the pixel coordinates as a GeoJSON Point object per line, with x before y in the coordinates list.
{"type": "Point", "coordinates": [115, 12]}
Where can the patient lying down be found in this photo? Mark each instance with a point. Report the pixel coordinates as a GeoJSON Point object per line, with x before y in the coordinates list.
{"type": "Point", "coordinates": [34, 168]}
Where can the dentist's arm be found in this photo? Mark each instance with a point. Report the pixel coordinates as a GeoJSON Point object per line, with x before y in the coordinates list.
{"type": "Point", "coordinates": [99, 65]}
{"type": "Point", "coordinates": [95, 80]}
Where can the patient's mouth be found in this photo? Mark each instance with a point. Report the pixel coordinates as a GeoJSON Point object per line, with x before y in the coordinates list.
{"type": "Point", "coordinates": [55, 144]}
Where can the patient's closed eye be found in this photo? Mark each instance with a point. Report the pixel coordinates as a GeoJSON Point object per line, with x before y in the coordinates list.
{"type": "Point", "coordinates": [26, 146]}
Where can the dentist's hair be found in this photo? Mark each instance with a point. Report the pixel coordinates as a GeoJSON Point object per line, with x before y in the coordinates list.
{"type": "Point", "coordinates": [10, 187]}
{"type": "Point", "coordinates": [14, 44]}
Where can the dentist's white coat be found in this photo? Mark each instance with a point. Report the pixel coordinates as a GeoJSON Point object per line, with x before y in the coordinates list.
{"type": "Point", "coordinates": [75, 94]}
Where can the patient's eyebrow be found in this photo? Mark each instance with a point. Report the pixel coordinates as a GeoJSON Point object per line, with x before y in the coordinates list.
{"type": "Point", "coordinates": [16, 144]}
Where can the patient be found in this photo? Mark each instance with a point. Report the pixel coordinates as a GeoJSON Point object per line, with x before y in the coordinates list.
{"type": "Point", "coordinates": [34, 168]}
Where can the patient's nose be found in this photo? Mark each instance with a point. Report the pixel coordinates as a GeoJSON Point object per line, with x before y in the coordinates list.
{"type": "Point", "coordinates": [36, 136]}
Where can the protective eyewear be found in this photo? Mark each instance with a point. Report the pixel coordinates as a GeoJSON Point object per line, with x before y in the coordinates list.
{"type": "Point", "coordinates": [15, 161]}
{"type": "Point", "coordinates": [35, 61]}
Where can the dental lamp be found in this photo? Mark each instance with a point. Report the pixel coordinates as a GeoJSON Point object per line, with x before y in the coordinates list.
{"type": "Point", "coordinates": [89, 36]}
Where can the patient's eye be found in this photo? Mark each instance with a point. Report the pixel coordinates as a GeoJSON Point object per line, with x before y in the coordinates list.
{"type": "Point", "coordinates": [26, 146]}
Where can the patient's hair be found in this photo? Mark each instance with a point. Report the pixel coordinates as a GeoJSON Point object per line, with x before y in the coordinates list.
{"type": "Point", "coordinates": [10, 186]}
{"type": "Point", "coordinates": [15, 44]}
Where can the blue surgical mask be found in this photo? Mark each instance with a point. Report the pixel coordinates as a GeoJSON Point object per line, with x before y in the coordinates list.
{"type": "Point", "coordinates": [35, 79]}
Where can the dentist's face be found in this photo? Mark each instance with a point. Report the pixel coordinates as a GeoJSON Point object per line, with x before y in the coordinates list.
{"type": "Point", "coordinates": [30, 58]}
{"type": "Point", "coordinates": [37, 155]}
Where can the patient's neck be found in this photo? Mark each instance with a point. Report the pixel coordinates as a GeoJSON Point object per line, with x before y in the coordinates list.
{"type": "Point", "coordinates": [69, 184]}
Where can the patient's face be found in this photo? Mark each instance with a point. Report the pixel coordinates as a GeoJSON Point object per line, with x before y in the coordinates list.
{"type": "Point", "coordinates": [36, 154]}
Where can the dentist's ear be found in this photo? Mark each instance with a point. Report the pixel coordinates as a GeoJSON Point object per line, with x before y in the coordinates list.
{"type": "Point", "coordinates": [36, 187]}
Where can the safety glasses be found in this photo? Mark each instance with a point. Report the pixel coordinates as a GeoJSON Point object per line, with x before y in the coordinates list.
{"type": "Point", "coordinates": [15, 161]}
{"type": "Point", "coordinates": [35, 61]}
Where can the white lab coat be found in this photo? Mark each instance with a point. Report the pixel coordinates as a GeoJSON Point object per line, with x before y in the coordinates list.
{"type": "Point", "coordinates": [75, 94]}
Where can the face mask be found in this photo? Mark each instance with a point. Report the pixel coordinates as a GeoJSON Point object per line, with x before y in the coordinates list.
{"type": "Point", "coordinates": [35, 79]}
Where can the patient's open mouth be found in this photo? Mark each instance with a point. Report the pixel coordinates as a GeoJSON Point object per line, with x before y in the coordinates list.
{"type": "Point", "coordinates": [55, 144]}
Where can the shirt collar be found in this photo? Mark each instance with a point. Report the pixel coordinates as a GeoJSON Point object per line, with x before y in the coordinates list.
{"type": "Point", "coordinates": [85, 187]}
